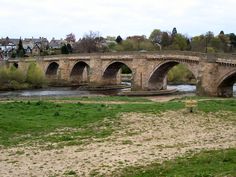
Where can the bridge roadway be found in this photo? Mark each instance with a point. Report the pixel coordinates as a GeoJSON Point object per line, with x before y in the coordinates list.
{"type": "Point", "coordinates": [215, 74]}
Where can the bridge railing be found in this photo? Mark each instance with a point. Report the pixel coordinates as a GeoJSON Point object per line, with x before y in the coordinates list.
{"type": "Point", "coordinates": [164, 52]}
{"type": "Point", "coordinates": [209, 56]}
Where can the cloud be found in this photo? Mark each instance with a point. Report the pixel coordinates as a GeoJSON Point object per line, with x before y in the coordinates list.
{"type": "Point", "coordinates": [50, 18]}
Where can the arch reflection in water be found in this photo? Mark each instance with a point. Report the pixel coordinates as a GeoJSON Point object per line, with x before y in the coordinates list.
{"type": "Point", "coordinates": [68, 91]}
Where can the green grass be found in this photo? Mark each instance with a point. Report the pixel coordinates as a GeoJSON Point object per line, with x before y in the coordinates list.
{"type": "Point", "coordinates": [216, 163]}
{"type": "Point", "coordinates": [108, 98]}
{"type": "Point", "coordinates": [22, 121]}
{"type": "Point", "coordinates": [216, 105]}
{"type": "Point", "coordinates": [31, 120]}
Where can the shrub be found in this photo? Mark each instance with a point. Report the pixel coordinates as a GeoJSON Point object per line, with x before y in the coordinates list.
{"type": "Point", "coordinates": [4, 75]}
{"type": "Point", "coordinates": [14, 85]}
{"type": "Point", "coordinates": [15, 78]}
{"type": "Point", "coordinates": [126, 45]}
{"type": "Point", "coordinates": [16, 74]}
{"type": "Point", "coordinates": [11, 74]}
{"type": "Point", "coordinates": [147, 45]}
{"type": "Point", "coordinates": [180, 74]}
{"type": "Point", "coordinates": [118, 48]}
{"type": "Point", "coordinates": [35, 75]}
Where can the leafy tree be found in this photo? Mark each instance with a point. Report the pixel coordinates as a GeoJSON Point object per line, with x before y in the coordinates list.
{"type": "Point", "coordinates": [129, 45]}
{"type": "Point", "coordinates": [174, 32]}
{"type": "Point", "coordinates": [20, 50]}
{"type": "Point", "coordinates": [222, 37]}
{"type": "Point", "coordinates": [179, 42]}
{"type": "Point", "coordinates": [147, 45]}
{"type": "Point", "coordinates": [119, 39]}
{"type": "Point", "coordinates": [198, 43]}
{"type": "Point", "coordinates": [165, 39]}
{"type": "Point", "coordinates": [209, 36]}
{"type": "Point", "coordinates": [69, 48]}
{"type": "Point", "coordinates": [156, 36]}
{"type": "Point", "coordinates": [222, 33]}
{"type": "Point", "coordinates": [20, 45]}
{"type": "Point", "coordinates": [189, 47]}
{"type": "Point", "coordinates": [232, 38]}
{"type": "Point", "coordinates": [13, 53]}
{"type": "Point", "coordinates": [216, 44]}
{"type": "Point", "coordinates": [64, 49]}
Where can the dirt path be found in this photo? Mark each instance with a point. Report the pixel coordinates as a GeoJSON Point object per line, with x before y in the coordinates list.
{"type": "Point", "coordinates": [138, 140]}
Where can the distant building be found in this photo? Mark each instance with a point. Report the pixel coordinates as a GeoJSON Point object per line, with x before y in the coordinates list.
{"type": "Point", "coordinates": [137, 38]}
{"type": "Point", "coordinates": [15, 42]}
{"type": "Point", "coordinates": [36, 50]}
{"type": "Point", "coordinates": [8, 44]}
{"type": "Point", "coordinates": [30, 44]}
{"type": "Point", "coordinates": [56, 44]}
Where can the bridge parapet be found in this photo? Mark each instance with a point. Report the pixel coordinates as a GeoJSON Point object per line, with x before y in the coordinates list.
{"type": "Point", "coordinates": [173, 56]}
{"type": "Point", "coordinates": [226, 61]}
{"type": "Point", "coordinates": [135, 55]}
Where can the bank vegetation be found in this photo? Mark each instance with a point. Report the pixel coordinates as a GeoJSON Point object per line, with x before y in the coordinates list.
{"type": "Point", "coordinates": [12, 78]}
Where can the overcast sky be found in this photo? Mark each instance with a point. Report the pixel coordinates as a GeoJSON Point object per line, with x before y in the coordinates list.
{"type": "Point", "coordinates": [56, 18]}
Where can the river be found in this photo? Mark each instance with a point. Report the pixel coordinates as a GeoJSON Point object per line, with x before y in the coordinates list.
{"type": "Point", "coordinates": [68, 91]}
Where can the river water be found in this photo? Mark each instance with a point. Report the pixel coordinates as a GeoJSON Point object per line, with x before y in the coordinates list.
{"type": "Point", "coordinates": [68, 91]}
{"type": "Point", "coordinates": [51, 91]}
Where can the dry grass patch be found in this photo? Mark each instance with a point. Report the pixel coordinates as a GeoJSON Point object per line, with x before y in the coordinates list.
{"type": "Point", "coordinates": [138, 139]}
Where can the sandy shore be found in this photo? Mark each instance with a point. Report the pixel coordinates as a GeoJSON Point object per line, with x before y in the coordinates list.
{"type": "Point", "coordinates": [139, 139]}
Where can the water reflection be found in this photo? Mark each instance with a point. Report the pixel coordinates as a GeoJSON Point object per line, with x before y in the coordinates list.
{"type": "Point", "coordinates": [192, 88]}
{"type": "Point", "coordinates": [67, 91]}
{"type": "Point", "coordinates": [54, 91]}
{"type": "Point", "coordinates": [183, 88]}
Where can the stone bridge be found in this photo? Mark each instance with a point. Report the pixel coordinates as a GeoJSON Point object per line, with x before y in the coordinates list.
{"type": "Point", "coordinates": [215, 74]}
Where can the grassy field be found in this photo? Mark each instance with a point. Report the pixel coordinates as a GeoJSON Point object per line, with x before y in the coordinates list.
{"type": "Point", "coordinates": [22, 123]}
{"type": "Point", "coordinates": [25, 120]}
{"type": "Point", "coordinates": [28, 120]}
{"type": "Point", "coordinates": [108, 98]}
{"type": "Point", "coordinates": [204, 164]}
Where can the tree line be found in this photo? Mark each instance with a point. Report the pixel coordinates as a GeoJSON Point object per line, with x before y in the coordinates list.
{"type": "Point", "coordinates": [158, 40]}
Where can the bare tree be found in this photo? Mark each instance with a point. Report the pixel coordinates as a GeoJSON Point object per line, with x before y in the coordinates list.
{"type": "Point", "coordinates": [70, 38]}
{"type": "Point", "coordinates": [91, 42]}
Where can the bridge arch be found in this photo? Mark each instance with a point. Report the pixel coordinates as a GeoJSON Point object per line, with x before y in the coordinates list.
{"type": "Point", "coordinates": [225, 85]}
{"type": "Point", "coordinates": [110, 74]}
{"type": "Point", "coordinates": [80, 72]}
{"type": "Point", "coordinates": [157, 78]}
{"type": "Point", "coordinates": [52, 69]}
